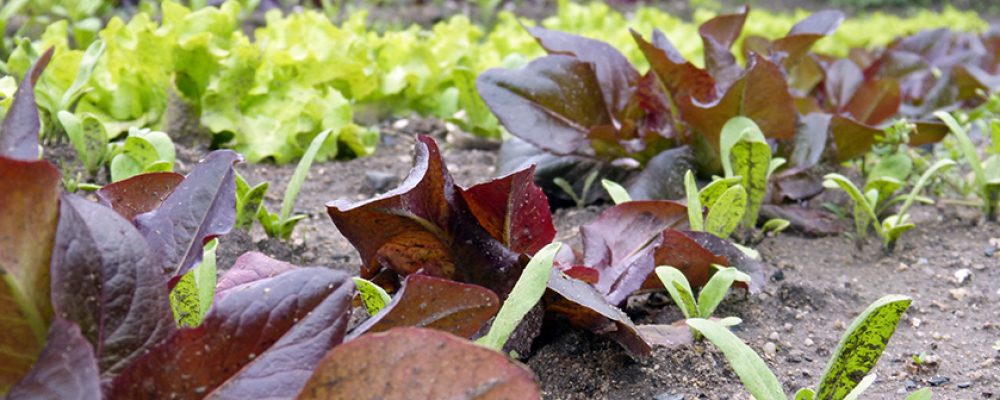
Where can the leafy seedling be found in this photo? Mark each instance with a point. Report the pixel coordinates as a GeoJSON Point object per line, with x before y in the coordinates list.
{"type": "Point", "coordinates": [846, 375]}
{"type": "Point", "coordinates": [89, 139]}
{"type": "Point", "coordinates": [581, 198]}
{"type": "Point", "coordinates": [986, 173]}
{"type": "Point", "coordinates": [892, 227]}
{"type": "Point", "coordinates": [745, 153]}
{"type": "Point", "coordinates": [526, 293]}
{"type": "Point", "coordinates": [144, 150]}
{"type": "Point", "coordinates": [249, 201]}
{"type": "Point", "coordinates": [726, 200]}
{"type": "Point", "coordinates": [281, 225]}
{"type": "Point", "coordinates": [617, 192]}
{"type": "Point", "coordinates": [711, 294]}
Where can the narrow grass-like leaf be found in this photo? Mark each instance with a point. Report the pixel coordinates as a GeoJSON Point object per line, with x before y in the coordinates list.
{"type": "Point", "coordinates": [695, 218]}
{"type": "Point", "coordinates": [753, 372]}
{"type": "Point", "coordinates": [677, 285]}
{"type": "Point", "coordinates": [617, 192]}
{"type": "Point", "coordinates": [856, 393]}
{"type": "Point", "coordinates": [940, 165]}
{"type": "Point", "coordinates": [300, 174]}
{"type": "Point", "coordinates": [922, 394]}
{"type": "Point", "coordinates": [527, 291]}
{"type": "Point", "coordinates": [861, 346]}
{"type": "Point", "coordinates": [717, 287]}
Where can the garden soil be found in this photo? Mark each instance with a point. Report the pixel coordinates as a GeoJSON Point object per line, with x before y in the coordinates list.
{"type": "Point", "coordinates": [949, 265]}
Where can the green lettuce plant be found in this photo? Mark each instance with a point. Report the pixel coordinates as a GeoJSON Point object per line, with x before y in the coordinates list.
{"type": "Point", "coordinates": [846, 374]}
{"type": "Point", "coordinates": [866, 204]}
{"type": "Point", "coordinates": [986, 173]}
{"type": "Point", "coordinates": [249, 201]}
{"type": "Point", "coordinates": [709, 297]}
{"type": "Point", "coordinates": [144, 150]}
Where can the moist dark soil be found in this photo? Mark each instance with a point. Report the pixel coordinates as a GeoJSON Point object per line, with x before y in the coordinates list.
{"type": "Point", "coordinates": [816, 287]}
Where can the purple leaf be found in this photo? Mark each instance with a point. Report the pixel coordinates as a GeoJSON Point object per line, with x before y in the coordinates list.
{"type": "Point", "coordinates": [513, 210]}
{"type": "Point", "coordinates": [736, 257]}
{"type": "Point", "coordinates": [620, 244]}
{"type": "Point", "coordinates": [29, 211]}
{"type": "Point", "coordinates": [66, 368]}
{"type": "Point", "coordinates": [249, 267]}
{"type": "Point", "coordinates": [717, 36]}
{"type": "Point", "coordinates": [584, 307]}
{"type": "Point", "coordinates": [201, 208]}
{"type": "Point", "coordinates": [19, 132]}
{"type": "Point", "coordinates": [104, 279]}
{"type": "Point", "coordinates": [553, 102]}
{"type": "Point", "coordinates": [139, 194]}
{"type": "Point", "coordinates": [261, 340]}
{"type": "Point", "coordinates": [614, 72]}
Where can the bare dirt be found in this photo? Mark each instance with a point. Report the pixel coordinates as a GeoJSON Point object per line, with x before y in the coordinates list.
{"type": "Point", "coordinates": [816, 287]}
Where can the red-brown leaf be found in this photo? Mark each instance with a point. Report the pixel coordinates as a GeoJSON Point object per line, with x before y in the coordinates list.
{"type": "Point", "coordinates": [513, 210]}
{"type": "Point", "coordinates": [415, 363]}
{"type": "Point", "coordinates": [139, 194]}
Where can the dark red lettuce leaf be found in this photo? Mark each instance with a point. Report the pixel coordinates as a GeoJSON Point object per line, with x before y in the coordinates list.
{"type": "Point", "coordinates": [621, 242]}
{"type": "Point", "coordinates": [680, 77]}
{"type": "Point", "coordinates": [681, 251]}
{"type": "Point", "coordinates": [615, 73]}
{"type": "Point", "coordinates": [513, 210]}
{"type": "Point", "coordinates": [852, 138]}
{"type": "Point", "coordinates": [249, 267]}
{"type": "Point", "coordinates": [66, 369]}
{"type": "Point", "coordinates": [760, 94]}
{"type": "Point", "coordinates": [105, 279]}
{"type": "Point", "coordinates": [717, 36]}
{"type": "Point", "coordinates": [552, 102]}
{"type": "Point", "coordinates": [21, 126]}
{"type": "Point", "coordinates": [415, 363]}
{"type": "Point", "coordinates": [139, 194]}
{"type": "Point", "coordinates": [428, 302]}
{"type": "Point", "coordinates": [29, 207]}
{"type": "Point", "coordinates": [424, 225]}
{"type": "Point", "coordinates": [201, 208]}
{"type": "Point", "coordinates": [584, 307]}
{"type": "Point", "coordinates": [261, 340]}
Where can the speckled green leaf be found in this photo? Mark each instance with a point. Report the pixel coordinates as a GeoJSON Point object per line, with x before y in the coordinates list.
{"type": "Point", "coordinates": [751, 158]}
{"type": "Point", "coordinates": [372, 296]}
{"type": "Point", "coordinates": [725, 215]}
{"type": "Point", "coordinates": [711, 192]}
{"type": "Point", "coordinates": [861, 346]}
{"type": "Point", "coordinates": [193, 294]}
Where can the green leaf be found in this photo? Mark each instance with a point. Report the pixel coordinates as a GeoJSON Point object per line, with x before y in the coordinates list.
{"type": "Point", "coordinates": [301, 171]}
{"type": "Point", "coordinates": [695, 218]}
{"type": "Point", "coordinates": [861, 203]}
{"type": "Point", "coordinates": [526, 293]}
{"type": "Point", "coordinates": [922, 394]}
{"type": "Point", "coordinates": [711, 192]}
{"type": "Point", "coordinates": [568, 188]}
{"type": "Point", "coordinates": [373, 296]}
{"type": "Point", "coordinates": [995, 136]}
{"type": "Point", "coordinates": [753, 372]}
{"type": "Point", "coordinates": [724, 216]}
{"type": "Point", "coordinates": [775, 225]}
{"type": "Point", "coordinates": [856, 393]}
{"type": "Point", "coordinates": [861, 346]}
{"type": "Point", "coordinates": [732, 132]}
{"type": "Point", "coordinates": [940, 165]}
{"type": "Point", "coordinates": [249, 200]}
{"type": "Point", "coordinates": [897, 166]}
{"type": "Point", "coordinates": [124, 167]}
{"type": "Point", "coordinates": [617, 192]}
{"type": "Point", "coordinates": [775, 163]}
{"type": "Point", "coordinates": [717, 287]}
{"type": "Point", "coordinates": [751, 159]}
{"type": "Point", "coordinates": [83, 74]}
{"type": "Point", "coordinates": [192, 296]}
{"type": "Point", "coordinates": [679, 288]}
{"type": "Point", "coordinates": [805, 394]}
{"type": "Point", "coordinates": [966, 145]}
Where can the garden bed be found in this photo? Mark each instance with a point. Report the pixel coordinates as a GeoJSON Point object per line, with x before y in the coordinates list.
{"type": "Point", "coordinates": [816, 287]}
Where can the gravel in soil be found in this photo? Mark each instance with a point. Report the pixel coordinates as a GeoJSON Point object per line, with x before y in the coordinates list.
{"type": "Point", "coordinates": [949, 265]}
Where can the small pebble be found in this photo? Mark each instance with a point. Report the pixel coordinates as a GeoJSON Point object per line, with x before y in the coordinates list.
{"type": "Point", "coordinates": [774, 336]}
{"type": "Point", "coordinates": [909, 384]}
{"type": "Point", "coordinates": [939, 381]}
{"type": "Point", "coordinates": [964, 385]}
{"type": "Point", "coordinates": [669, 396]}
{"type": "Point", "coordinates": [808, 342]}
{"type": "Point", "coordinates": [788, 327]}
{"type": "Point", "coordinates": [915, 322]}
{"type": "Point", "coordinates": [959, 294]}
{"type": "Point", "coordinates": [990, 251]}
{"type": "Point", "coordinates": [962, 275]}
{"type": "Point", "coordinates": [778, 276]}
{"type": "Point", "coordinates": [770, 349]}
